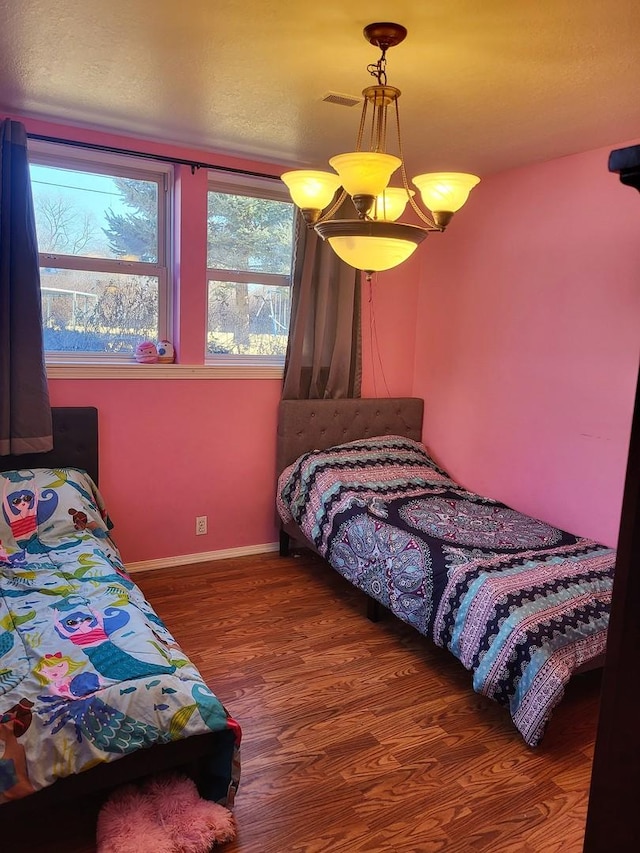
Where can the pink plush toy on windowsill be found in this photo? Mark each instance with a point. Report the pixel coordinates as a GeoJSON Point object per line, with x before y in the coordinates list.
{"type": "Point", "coordinates": [146, 352]}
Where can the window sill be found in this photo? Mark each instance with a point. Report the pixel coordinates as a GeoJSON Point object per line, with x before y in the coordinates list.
{"type": "Point", "coordinates": [130, 370]}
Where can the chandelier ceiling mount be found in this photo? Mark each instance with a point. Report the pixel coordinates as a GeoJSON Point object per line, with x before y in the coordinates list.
{"type": "Point", "coordinates": [385, 35]}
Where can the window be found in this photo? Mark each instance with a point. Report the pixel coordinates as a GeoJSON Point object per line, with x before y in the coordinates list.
{"type": "Point", "coordinates": [249, 258]}
{"type": "Point", "coordinates": [102, 225]}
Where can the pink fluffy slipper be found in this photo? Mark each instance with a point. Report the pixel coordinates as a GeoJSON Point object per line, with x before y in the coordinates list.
{"type": "Point", "coordinates": [127, 823]}
{"type": "Point", "coordinates": [192, 823]}
{"type": "Point", "coordinates": [165, 815]}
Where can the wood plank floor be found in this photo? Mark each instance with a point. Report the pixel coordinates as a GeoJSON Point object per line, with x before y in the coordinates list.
{"type": "Point", "coordinates": [357, 736]}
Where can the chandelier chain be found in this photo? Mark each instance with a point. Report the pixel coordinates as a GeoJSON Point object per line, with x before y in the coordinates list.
{"type": "Point", "coordinates": [379, 69]}
{"type": "Point", "coordinates": [405, 181]}
{"type": "Point", "coordinates": [363, 120]}
{"type": "Point", "coordinates": [334, 207]}
{"type": "Point", "coordinates": [380, 129]}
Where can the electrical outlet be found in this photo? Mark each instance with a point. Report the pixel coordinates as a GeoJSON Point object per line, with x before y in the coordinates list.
{"type": "Point", "coordinates": [201, 525]}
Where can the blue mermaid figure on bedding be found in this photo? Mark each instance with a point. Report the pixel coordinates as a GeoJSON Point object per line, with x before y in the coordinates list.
{"type": "Point", "coordinates": [107, 728]}
{"type": "Point", "coordinates": [24, 511]}
{"type": "Point", "coordinates": [90, 630]}
{"type": "Point", "coordinates": [72, 697]}
{"type": "Point", "coordinates": [25, 508]}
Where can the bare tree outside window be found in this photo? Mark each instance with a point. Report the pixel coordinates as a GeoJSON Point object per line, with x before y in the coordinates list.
{"type": "Point", "coordinates": [62, 228]}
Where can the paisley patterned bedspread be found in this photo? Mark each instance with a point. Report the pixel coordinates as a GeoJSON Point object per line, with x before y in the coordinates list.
{"type": "Point", "coordinates": [88, 672]}
{"type": "Point", "coordinates": [520, 603]}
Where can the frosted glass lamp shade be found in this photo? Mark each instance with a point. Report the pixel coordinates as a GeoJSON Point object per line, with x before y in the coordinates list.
{"type": "Point", "coordinates": [311, 190]}
{"type": "Point", "coordinates": [372, 254]}
{"type": "Point", "coordinates": [371, 246]}
{"type": "Point", "coordinates": [391, 203]}
{"type": "Point", "coordinates": [445, 191]}
{"type": "Point", "coordinates": [364, 173]}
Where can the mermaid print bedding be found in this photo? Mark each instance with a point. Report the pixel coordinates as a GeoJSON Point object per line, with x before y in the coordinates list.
{"type": "Point", "coordinates": [519, 602]}
{"type": "Point", "coordinates": [88, 671]}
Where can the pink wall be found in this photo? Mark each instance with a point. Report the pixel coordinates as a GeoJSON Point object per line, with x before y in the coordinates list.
{"type": "Point", "coordinates": [389, 305]}
{"type": "Point", "coordinates": [171, 450]}
{"type": "Point", "coordinates": [527, 342]}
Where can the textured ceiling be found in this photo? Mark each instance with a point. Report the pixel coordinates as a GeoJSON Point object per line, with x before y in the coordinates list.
{"type": "Point", "coordinates": [487, 84]}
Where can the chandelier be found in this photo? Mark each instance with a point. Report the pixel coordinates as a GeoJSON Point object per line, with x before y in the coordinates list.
{"type": "Point", "coordinates": [375, 240]}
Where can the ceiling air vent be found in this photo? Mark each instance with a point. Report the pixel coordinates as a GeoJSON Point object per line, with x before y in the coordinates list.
{"type": "Point", "coordinates": [341, 100]}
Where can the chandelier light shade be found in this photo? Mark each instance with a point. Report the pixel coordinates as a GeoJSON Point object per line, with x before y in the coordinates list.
{"type": "Point", "coordinates": [445, 192]}
{"type": "Point", "coordinates": [375, 240]}
{"type": "Point", "coordinates": [369, 244]}
{"type": "Point", "coordinates": [311, 191]}
{"type": "Point", "coordinates": [365, 172]}
{"type": "Point", "coordinates": [391, 203]}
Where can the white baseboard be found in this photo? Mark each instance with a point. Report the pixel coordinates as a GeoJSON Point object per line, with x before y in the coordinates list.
{"type": "Point", "coordinates": [203, 557]}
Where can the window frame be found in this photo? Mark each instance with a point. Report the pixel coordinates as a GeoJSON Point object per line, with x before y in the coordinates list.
{"type": "Point", "coordinates": [61, 156]}
{"type": "Point", "coordinates": [252, 186]}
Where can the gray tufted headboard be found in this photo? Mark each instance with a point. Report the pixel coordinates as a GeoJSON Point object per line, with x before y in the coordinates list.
{"type": "Point", "coordinates": [305, 425]}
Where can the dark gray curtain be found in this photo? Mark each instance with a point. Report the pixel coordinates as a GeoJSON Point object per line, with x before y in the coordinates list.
{"type": "Point", "coordinates": [25, 413]}
{"type": "Point", "coordinates": [324, 359]}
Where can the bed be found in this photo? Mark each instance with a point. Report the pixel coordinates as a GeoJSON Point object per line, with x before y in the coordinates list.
{"type": "Point", "coordinates": [523, 605]}
{"type": "Point", "coordinates": [94, 690]}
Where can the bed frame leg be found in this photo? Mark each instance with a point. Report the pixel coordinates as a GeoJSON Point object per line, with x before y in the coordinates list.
{"type": "Point", "coordinates": [373, 609]}
{"type": "Point", "coordinates": [285, 541]}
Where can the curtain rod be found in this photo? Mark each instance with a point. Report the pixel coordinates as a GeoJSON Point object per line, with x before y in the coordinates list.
{"type": "Point", "coordinates": [194, 164]}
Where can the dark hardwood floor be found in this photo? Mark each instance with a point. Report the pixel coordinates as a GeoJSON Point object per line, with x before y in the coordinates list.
{"type": "Point", "coordinates": [357, 736]}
